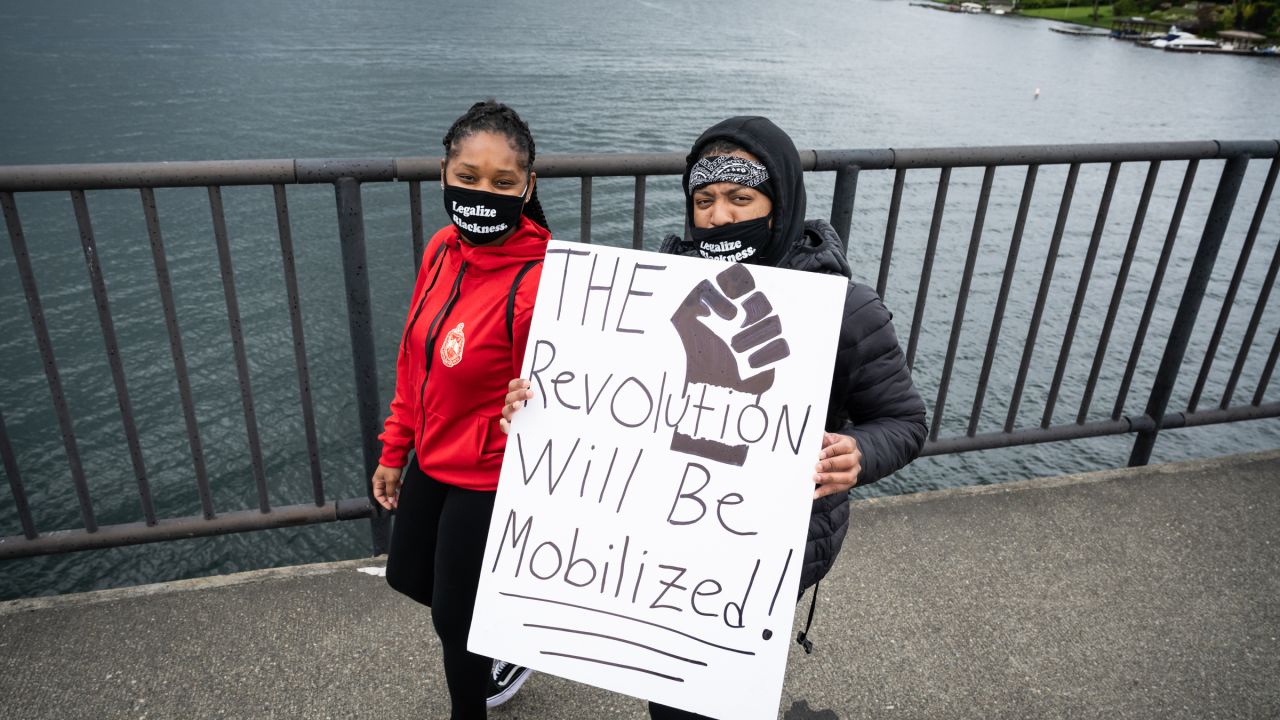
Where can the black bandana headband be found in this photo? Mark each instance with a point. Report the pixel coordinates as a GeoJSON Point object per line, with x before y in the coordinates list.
{"type": "Point", "coordinates": [728, 168]}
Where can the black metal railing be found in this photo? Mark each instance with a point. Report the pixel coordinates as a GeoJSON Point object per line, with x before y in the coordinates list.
{"type": "Point", "coordinates": [349, 176]}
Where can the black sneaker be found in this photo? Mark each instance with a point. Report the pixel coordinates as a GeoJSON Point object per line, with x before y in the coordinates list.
{"type": "Point", "coordinates": [504, 681]}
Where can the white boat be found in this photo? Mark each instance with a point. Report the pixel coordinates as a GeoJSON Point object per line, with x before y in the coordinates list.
{"type": "Point", "coordinates": [1191, 41]}
{"type": "Point", "coordinates": [1078, 30]}
{"type": "Point", "coordinates": [1181, 40]}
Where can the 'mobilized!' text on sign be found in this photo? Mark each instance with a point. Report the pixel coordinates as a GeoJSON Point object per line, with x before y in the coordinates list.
{"type": "Point", "coordinates": [652, 510]}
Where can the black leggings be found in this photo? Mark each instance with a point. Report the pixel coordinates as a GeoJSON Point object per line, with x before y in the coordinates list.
{"type": "Point", "coordinates": [437, 549]}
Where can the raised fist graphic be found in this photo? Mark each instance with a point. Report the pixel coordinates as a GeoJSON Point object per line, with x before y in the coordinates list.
{"type": "Point", "coordinates": [711, 360]}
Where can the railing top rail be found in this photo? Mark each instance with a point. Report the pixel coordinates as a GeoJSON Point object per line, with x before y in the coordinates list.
{"type": "Point", "coordinates": [103, 176]}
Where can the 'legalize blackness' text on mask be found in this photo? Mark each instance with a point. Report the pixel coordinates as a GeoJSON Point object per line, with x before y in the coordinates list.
{"type": "Point", "coordinates": [735, 242]}
{"type": "Point", "coordinates": [482, 217]}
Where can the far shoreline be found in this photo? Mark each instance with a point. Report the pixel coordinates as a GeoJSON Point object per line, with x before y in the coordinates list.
{"type": "Point", "coordinates": [1081, 16]}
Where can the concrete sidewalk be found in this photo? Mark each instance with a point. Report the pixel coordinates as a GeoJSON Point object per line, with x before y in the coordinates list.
{"type": "Point", "coordinates": [1146, 593]}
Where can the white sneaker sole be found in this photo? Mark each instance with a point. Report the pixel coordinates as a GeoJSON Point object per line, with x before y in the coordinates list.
{"type": "Point", "coordinates": [511, 690]}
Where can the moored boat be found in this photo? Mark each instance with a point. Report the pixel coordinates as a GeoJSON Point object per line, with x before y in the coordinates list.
{"type": "Point", "coordinates": [1181, 40]}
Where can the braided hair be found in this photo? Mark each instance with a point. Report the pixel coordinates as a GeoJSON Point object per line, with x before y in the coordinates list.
{"type": "Point", "coordinates": [492, 116]}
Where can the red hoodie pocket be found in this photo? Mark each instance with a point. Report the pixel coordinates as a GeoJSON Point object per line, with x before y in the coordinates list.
{"type": "Point", "coordinates": [493, 440]}
{"type": "Point", "coordinates": [462, 443]}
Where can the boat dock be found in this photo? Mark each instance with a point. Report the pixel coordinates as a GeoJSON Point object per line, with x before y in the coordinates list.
{"type": "Point", "coordinates": [1137, 30]}
{"type": "Point", "coordinates": [1133, 593]}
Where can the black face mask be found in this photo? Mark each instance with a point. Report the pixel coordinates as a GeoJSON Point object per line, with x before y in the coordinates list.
{"type": "Point", "coordinates": [482, 217]}
{"type": "Point", "coordinates": [736, 242]}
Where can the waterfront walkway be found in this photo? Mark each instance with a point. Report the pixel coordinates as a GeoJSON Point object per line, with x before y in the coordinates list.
{"type": "Point", "coordinates": [1147, 593]}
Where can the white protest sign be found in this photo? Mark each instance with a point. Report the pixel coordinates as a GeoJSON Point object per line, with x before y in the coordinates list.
{"type": "Point", "coordinates": [651, 514]}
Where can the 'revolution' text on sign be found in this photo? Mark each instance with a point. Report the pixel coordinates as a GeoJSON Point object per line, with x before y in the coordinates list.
{"type": "Point", "coordinates": [651, 514]}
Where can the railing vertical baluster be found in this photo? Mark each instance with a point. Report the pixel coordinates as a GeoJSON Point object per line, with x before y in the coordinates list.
{"type": "Point", "coordinates": [10, 461]}
{"type": "Point", "coordinates": [584, 227]}
{"type": "Point", "coordinates": [957, 322]}
{"type": "Point", "coordinates": [99, 286]}
{"type": "Point", "coordinates": [1153, 294]}
{"type": "Point", "coordinates": [1042, 296]}
{"type": "Point", "coordinates": [299, 346]}
{"type": "Point", "coordinates": [1265, 378]}
{"type": "Point", "coordinates": [237, 345]}
{"type": "Point", "coordinates": [637, 221]}
{"type": "Point", "coordinates": [922, 293]}
{"type": "Point", "coordinates": [355, 275]}
{"type": "Point", "coordinates": [1082, 289]}
{"type": "Point", "coordinates": [1215, 227]}
{"type": "Point", "coordinates": [1006, 283]}
{"type": "Point", "coordinates": [175, 347]}
{"type": "Point", "coordinates": [1241, 263]}
{"type": "Point", "coordinates": [1117, 294]}
{"type": "Point", "coordinates": [842, 199]}
{"type": "Point", "coordinates": [36, 311]}
{"type": "Point", "coordinates": [890, 231]}
{"type": "Point", "coordinates": [1254, 320]}
{"type": "Point", "coordinates": [415, 221]}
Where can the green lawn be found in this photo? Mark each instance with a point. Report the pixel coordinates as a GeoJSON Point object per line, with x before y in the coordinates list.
{"type": "Point", "coordinates": [1079, 14]}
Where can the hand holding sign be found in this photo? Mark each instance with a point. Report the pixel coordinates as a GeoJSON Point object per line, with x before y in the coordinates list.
{"type": "Point", "coordinates": [839, 465]}
{"type": "Point", "coordinates": [518, 393]}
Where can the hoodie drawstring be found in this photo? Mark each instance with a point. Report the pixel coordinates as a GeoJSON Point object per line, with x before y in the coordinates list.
{"type": "Point", "coordinates": [803, 636]}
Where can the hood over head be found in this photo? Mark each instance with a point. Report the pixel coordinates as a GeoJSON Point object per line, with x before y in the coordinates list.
{"type": "Point", "coordinates": [775, 150]}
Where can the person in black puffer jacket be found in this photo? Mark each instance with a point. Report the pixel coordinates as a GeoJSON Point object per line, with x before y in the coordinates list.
{"type": "Point", "coordinates": [745, 202]}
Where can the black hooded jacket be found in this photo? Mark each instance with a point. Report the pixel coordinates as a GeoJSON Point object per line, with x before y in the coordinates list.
{"type": "Point", "coordinates": [872, 396]}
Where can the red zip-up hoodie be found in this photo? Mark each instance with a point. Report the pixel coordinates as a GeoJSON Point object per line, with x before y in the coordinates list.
{"type": "Point", "coordinates": [456, 359]}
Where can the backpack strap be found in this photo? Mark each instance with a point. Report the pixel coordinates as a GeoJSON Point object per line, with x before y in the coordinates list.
{"type": "Point", "coordinates": [439, 252]}
{"type": "Point", "coordinates": [511, 296]}
{"type": "Point", "coordinates": [423, 302]}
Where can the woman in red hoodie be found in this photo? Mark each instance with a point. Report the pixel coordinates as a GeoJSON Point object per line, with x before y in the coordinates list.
{"type": "Point", "coordinates": [465, 335]}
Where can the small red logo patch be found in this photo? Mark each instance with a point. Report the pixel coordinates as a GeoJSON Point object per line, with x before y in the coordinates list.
{"type": "Point", "coordinates": [451, 348]}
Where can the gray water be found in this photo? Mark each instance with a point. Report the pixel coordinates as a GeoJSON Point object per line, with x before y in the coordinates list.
{"type": "Point", "coordinates": [136, 80]}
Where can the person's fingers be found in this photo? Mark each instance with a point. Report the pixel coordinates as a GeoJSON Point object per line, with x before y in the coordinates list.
{"type": "Point", "coordinates": [831, 488]}
{"type": "Point", "coordinates": [380, 494]}
{"type": "Point", "coordinates": [518, 395]}
{"type": "Point", "coordinates": [517, 384]}
{"type": "Point", "coordinates": [838, 477]}
{"type": "Point", "coordinates": [509, 410]}
{"type": "Point", "coordinates": [836, 444]}
{"type": "Point", "coordinates": [838, 464]}
{"type": "Point", "coordinates": [516, 398]}
{"type": "Point", "coordinates": [385, 486]}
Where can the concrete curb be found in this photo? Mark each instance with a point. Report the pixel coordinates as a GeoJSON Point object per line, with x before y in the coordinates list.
{"type": "Point", "coordinates": [248, 577]}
